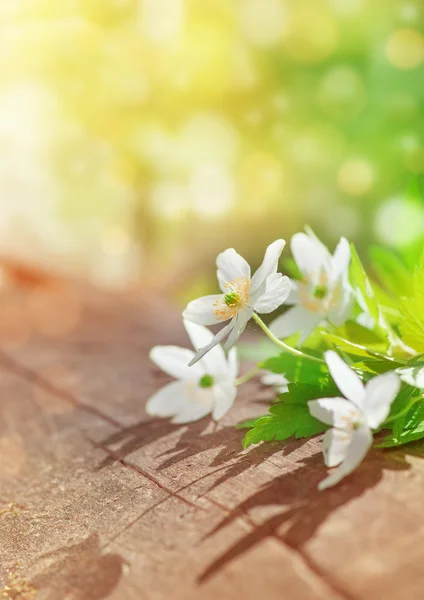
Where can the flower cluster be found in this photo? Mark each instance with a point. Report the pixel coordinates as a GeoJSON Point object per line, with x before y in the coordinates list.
{"type": "Point", "coordinates": [347, 365]}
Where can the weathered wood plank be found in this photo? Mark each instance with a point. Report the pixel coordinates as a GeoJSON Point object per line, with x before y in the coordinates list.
{"type": "Point", "coordinates": [133, 507]}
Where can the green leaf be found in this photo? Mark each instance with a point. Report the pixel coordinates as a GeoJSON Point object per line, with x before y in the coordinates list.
{"type": "Point", "coordinates": [289, 418]}
{"type": "Point", "coordinates": [377, 367]}
{"type": "Point", "coordinates": [412, 325]}
{"type": "Point", "coordinates": [391, 270]}
{"type": "Point", "coordinates": [290, 266]}
{"type": "Point", "coordinates": [247, 424]}
{"type": "Point", "coordinates": [298, 369]}
{"type": "Point", "coordinates": [365, 295]}
{"type": "Point", "coordinates": [351, 348]}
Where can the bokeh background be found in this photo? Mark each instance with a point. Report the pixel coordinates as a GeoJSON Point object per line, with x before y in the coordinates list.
{"type": "Point", "coordinates": [140, 137]}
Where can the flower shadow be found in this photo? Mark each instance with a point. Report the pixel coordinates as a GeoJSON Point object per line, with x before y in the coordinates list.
{"type": "Point", "coordinates": [80, 571]}
{"type": "Point", "coordinates": [303, 508]}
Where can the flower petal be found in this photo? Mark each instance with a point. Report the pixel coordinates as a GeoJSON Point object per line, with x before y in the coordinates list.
{"type": "Point", "coordinates": [268, 267]}
{"type": "Point", "coordinates": [231, 266]}
{"type": "Point", "coordinates": [340, 261]}
{"type": "Point", "coordinates": [293, 297]}
{"type": "Point", "coordinates": [279, 382]}
{"type": "Point", "coordinates": [276, 292]}
{"type": "Point", "coordinates": [380, 393]}
{"type": "Point", "coordinates": [338, 412]}
{"type": "Point", "coordinates": [335, 445]}
{"type": "Point", "coordinates": [215, 340]}
{"type": "Point", "coordinates": [346, 379]}
{"type": "Point", "coordinates": [240, 322]}
{"type": "Point", "coordinates": [168, 401]}
{"type": "Point", "coordinates": [311, 256]}
{"type": "Point", "coordinates": [340, 313]}
{"type": "Point", "coordinates": [192, 412]}
{"type": "Point", "coordinates": [214, 362]}
{"type": "Point", "coordinates": [360, 444]}
{"type": "Point", "coordinates": [174, 361]}
{"type": "Point", "coordinates": [233, 363]}
{"type": "Point", "coordinates": [202, 310]}
{"type": "Point", "coordinates": [225, 394]}
{"type": "Point", "coordinates": [413, 376]}
{"type": "Point", "coordinates": [294, 320]}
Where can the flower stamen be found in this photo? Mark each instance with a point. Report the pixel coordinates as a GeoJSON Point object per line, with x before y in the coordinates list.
{"type": "Point", "coordinates": [235, 299]}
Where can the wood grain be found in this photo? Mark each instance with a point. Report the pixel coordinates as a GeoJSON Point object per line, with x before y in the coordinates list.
{"type": "Point", "coordinates": [98, 500]}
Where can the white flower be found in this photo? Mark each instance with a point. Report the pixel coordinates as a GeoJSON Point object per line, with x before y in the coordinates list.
{"type": "Point", "coordinates": [242, 295]}
{"type": "Point", "coordinates": [413, 376]}
{"type": "Point", "coordinates": [208, 387]}
{"type": "Point", "coordinates": [354, 418]}
{"type": "Point", "coordinates": [279, 382]}
{"type": "Point", "coordinates": [324, 293]}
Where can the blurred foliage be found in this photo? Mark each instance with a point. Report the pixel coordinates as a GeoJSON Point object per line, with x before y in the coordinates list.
{"type": "Point", "coordinates": [139, 137]}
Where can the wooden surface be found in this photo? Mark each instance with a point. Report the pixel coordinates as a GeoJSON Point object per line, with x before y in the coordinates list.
{"type": "Point", "coordinates": [97, 500]}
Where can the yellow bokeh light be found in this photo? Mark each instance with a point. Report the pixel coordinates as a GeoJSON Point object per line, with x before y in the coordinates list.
{"type": "Point", "coordinates": [161, 20]}
{"type": "Point", "coordinates": [356, 177]}
{"type": "Point", "coordinates": [261, 177]}
{"type": "Point", "coordinates": [311, 35]}
{"type": "Point", "coordinates": [212, 191]}
{"type": "Point", "coordinates": [262, 22]}
{"type": "Point", "coordinates": [405, 49]}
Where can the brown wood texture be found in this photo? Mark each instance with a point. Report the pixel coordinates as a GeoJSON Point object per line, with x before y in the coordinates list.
{"type": "Point", "coordinates": [97, 500]}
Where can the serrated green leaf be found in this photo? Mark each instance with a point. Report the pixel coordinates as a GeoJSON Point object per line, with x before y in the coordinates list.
{"type": "Point", "coordinates": [412, 325]}
{"type": "Point", "coordinates": [391, 270]}
{"type": "Point", "coordinates": [247, 424]}
{"type": "Point", "coordinates": [291, 416]}
{"type": "Point", "coordinates": [365, 295]}
{"type": "Point", "coordinates": [351, 348]}
{"type": "Point", "coordinates": [298, 369]}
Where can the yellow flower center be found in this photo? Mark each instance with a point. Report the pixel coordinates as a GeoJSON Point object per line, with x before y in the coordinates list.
{"type": "Point", "coordinates": [235, 298]}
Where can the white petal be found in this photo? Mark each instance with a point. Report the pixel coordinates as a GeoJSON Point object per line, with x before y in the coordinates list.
{"type": "Point", "coordinates": [168, 401]}
{"type": "Point", "coordinates": [202, 310]}
{"type": "Point", "coordinates": [413, 376]}
{"type": "Point", "coordinates": [279, 382]}
{"type": "Point", "coordinates": [380, 393]}
{"type": "Point", "coordinates": [346, 379]}
{"type": "Point", "coordinates": [215, 340]}
{"type": "Point", "coordinates": [225, 394]}
{"type": "Point", "coordinates": [361, 442]}
{"type": "Point", "coordinates": [340, 261]}
{"type": "Point", "coordinates": [335, 445]}
{"type": "Point", "coordinates": [338, 412]}
{"type": "Point", "coordinates": [277, 290]}
{"type": "Point", "coordinates": [273, 379]}
{"type": "Point", "coordinates": [192, 412]}
{"type": "Point", "coordinates": [231, 266]}
{"type": "Point", "coordinates": [295, 319]}
{"type": "Point", "coordinates": [293, 297]}
{"type": "Point", "coordinates": [268, 267]}
{"type": "Point", "coordinates": [310, 254]}
{"type": "Point", "coordinates": [233, 363]}
{"type": "Point", "coordinates": [339, 314]}
{"type": "Point", "coordinates": [174, 361]}
{"type": "Point", "coordinates": [214, 362]}
{"type": "Point", "coordinates": [240, 322]}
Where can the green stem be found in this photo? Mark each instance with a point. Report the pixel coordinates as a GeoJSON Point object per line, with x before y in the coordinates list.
{"type": "Point", "coordinates": [247, 376]}
{"type": "Point", "coordinates": [281, 344]}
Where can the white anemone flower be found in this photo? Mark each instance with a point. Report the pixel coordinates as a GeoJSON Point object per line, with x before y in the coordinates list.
{"type": "Point", "coordinates": [278, 382]}
{"type": "Point", "coordinates": [241, 296]}
{"type": "Point", "coordinates": [364, 408]}
{"type": "Point", "coordinates": [323, 293]}
{"type": "Point", "coordinates": [207, 387]}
